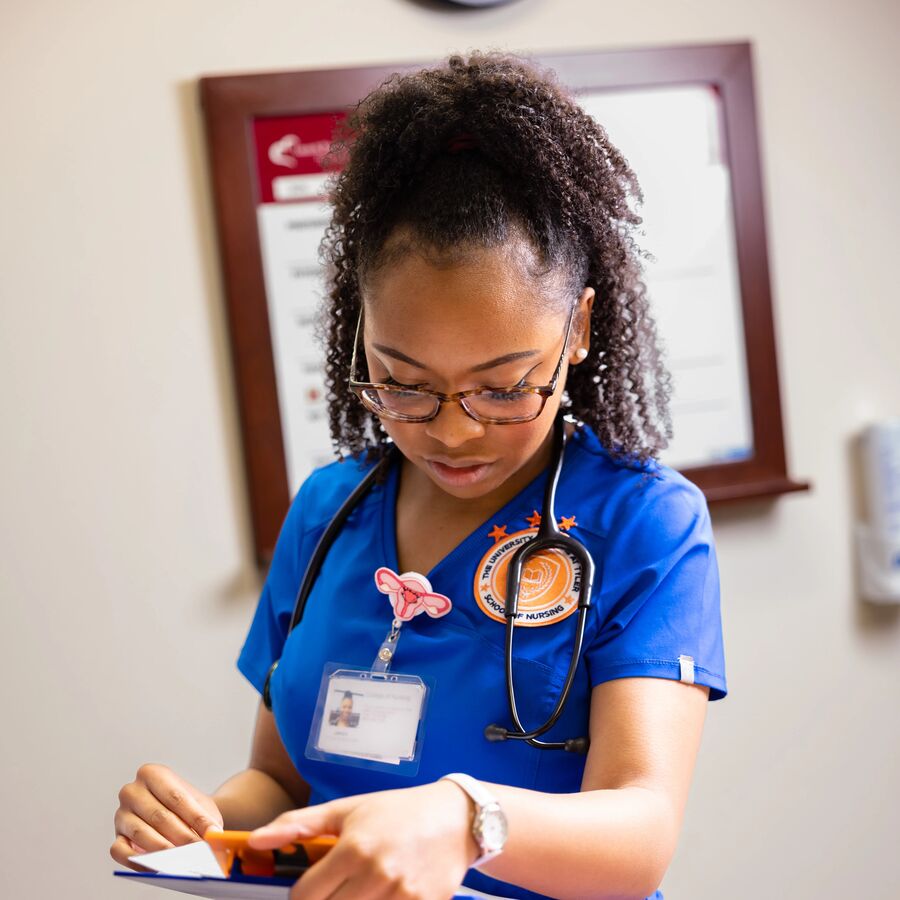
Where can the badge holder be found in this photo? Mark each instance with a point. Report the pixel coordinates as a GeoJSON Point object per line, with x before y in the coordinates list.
{"type": "Point", "coordinates": [371, 718]}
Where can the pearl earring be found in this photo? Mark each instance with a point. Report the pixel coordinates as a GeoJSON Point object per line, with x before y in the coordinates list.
{"type": "Point", "coordinates": [581, 353]}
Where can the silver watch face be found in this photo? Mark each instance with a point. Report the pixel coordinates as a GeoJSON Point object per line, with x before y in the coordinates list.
{"type": "Point", "coordinates": [491, 829]}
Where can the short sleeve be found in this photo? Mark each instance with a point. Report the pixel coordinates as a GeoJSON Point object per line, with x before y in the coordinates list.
{"type": "Point", "coordinates": [659, 590]}
{"type": "Point", "coordinates": [268, 630]}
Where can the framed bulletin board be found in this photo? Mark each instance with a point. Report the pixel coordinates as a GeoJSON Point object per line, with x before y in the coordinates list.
{"type": "Point", "coordinates": [684, 117]}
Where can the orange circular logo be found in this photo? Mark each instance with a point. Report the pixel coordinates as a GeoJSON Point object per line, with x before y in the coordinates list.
{"type": "Point", "coordinates": [549, 588]}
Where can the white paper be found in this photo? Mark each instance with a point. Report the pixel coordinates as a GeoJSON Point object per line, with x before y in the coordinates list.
{"type": "Point", "coordinates": [295, 285]}
{"type": "Point", "coordinates": [693, 284]}
{"type": "Point", "coordinates": [189, 860]}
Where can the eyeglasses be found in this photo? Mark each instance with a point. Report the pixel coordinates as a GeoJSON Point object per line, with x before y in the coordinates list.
{"type": "Point", "coordinates": [490, 405]}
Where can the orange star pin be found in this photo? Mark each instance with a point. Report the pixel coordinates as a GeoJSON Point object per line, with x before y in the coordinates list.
{"type": "Point", "coordinates": [567, 522]}
{"type": "Point", "coordinates": [498, 532]}
{"type": "Point", "coordinates": [534, 519]}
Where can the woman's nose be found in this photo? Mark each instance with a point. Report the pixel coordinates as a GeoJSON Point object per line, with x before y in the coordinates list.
{"type": "Point", "coordinates": [452, 426]}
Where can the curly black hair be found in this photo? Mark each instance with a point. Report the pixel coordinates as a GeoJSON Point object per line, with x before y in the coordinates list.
{"type": "Point", "coordinates": [465, 155]}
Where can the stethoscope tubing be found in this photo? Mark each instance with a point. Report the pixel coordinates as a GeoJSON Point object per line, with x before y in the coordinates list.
{"type": "Point", "coordinates": [548, 537]}
{"type": "Point", "coordinates": [323, 545]}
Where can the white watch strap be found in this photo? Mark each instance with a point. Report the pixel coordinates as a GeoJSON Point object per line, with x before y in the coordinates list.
{"type": "Point", "coordinates": [482, 798]}
{"type": "Point", "coordinates": [474, 788]}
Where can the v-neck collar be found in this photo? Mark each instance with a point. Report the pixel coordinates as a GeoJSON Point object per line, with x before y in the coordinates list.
{"type": "Point", "coordinates": [533, 492]}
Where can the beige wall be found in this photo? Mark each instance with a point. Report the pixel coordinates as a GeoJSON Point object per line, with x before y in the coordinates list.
{"type": "Point", "coordinates": [127, 577]}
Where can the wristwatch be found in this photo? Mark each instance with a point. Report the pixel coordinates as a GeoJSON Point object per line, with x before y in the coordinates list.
{"type": "Point", "coordinates": [489, 827]}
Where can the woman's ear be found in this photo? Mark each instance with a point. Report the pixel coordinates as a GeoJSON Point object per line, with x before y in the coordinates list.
{"type": "Point", "coordinates": [581, 333]}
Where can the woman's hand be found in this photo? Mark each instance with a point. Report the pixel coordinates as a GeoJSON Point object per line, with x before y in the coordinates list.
{"type": "Point", "coordinates": [159, 810]}
{"type": "Point", "coordinates": [409, 844]}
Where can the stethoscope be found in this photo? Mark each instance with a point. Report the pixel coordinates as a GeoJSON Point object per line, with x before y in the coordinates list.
{"type": "Point", "coordinates": [548, 537]}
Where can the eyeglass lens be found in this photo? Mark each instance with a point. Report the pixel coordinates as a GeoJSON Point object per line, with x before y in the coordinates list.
{"type": "Point", "coordinates": [495, 405]}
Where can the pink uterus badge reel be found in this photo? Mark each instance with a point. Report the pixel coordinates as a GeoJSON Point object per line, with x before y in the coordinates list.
{"type": "Point", "coordinates": [410, 594]}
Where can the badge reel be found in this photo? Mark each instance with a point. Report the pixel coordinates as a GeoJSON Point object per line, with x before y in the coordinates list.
{"type": "Point", "coordinates": [374, 718]}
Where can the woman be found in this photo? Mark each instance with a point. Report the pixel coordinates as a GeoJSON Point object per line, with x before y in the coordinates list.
{"type": "Point", "coordinates": [343, 716]}
{"type": "Point", "coordinates": [483, 282]}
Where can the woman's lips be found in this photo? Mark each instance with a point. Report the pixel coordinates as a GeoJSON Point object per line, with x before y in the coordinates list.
{"type": "Point", "coordinates": [459, 475]}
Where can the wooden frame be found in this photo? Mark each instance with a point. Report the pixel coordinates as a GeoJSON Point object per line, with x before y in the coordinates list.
{"type": "Point", "coordinates": [231, 103]}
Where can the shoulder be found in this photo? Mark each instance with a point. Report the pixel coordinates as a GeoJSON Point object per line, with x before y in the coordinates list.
{"type": "Point", "coordinates": [324, 490]}
{"type": "Point", "coordinates": [653, 498]}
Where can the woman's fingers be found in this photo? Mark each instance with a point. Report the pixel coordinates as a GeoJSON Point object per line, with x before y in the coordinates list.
{"type": "Point", "coordinates": [354, 870]}
{"type": "Point", "coordinates": [158, 811]}
{"type": "Point", "coordinates": [326, 876]}
{"type": "Point", "coordinates": [120, 850]}
{"type": "Point", "coordinates": [359, 888]}
{"type": "Point", "coordinates": [313, 821]}
{"type": "Point", "coordinates": [137, 830]}
{"type": "Point", "coordinates": [332, 873]}
{"type": "Point", "coordinates": [164, 821]}
{"type": "Point", "coordinates": [177, 795]}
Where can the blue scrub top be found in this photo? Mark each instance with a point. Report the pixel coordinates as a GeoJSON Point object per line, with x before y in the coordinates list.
{"type": "Point", "coordinates": [655, 599]}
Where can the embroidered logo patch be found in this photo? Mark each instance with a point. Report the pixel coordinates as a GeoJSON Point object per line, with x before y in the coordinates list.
{"type": "Point", "coordinates": [550, 582]}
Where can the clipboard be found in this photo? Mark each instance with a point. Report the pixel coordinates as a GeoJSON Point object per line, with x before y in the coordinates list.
{"type": "Point", "coordinates": [214, 888]}
{"type": "Point", "coordinates": [224, 867]}
{"type": "Point", "coordinates": [244, 889]}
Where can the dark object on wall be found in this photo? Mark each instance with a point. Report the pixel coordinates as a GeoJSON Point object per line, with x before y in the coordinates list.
{"type": "Point", "coordinates": [238, 110]}
{"type": "Point", "coordinates": [478, 2]}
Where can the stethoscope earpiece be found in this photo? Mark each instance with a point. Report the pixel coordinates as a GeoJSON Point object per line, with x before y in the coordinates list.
{"type": "Point", "coordinates": [496, 733]}
{"type": "Point", "coordinates": [577, 745]}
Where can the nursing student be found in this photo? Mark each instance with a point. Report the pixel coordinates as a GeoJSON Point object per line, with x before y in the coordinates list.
{"type": "Point", "coordinates": [485, 291]}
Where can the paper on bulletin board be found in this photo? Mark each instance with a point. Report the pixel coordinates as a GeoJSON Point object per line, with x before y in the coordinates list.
{"type": "Point", "coordinates": [671, 137]}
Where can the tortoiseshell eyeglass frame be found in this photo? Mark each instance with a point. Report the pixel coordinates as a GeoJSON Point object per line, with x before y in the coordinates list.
{"type": "Point", "coordinates": [544, 391]}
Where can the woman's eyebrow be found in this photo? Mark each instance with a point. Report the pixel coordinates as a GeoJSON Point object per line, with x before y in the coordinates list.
{"type": "Point", "coordinates": [481, 367]}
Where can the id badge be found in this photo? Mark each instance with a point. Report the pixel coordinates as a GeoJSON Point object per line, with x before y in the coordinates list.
{"type": "Point", "coordinates": [374, 718]}
{"type": "Point", "coordinates": [369, 719]}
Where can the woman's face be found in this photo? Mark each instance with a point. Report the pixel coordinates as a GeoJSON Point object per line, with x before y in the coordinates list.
{"type": "Point", "coordinates": [478, 322]}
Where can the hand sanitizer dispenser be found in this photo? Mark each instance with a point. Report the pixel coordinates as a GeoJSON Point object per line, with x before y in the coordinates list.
{"type": "Point", "coordinates": [878, 539]}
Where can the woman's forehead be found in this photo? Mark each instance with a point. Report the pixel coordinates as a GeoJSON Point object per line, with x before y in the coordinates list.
{"type": "Point", "coordinates": [484, 290]}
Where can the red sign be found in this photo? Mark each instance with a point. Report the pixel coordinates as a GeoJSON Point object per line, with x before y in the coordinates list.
{"type": "Point", "coordinates": [290, 154]}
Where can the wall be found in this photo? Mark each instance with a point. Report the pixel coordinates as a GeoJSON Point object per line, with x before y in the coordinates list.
{"type": "Point", "coordinates": [127, 576]}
